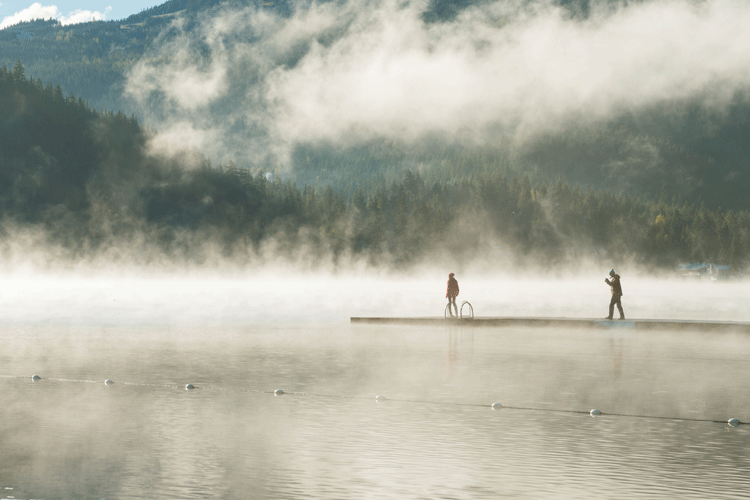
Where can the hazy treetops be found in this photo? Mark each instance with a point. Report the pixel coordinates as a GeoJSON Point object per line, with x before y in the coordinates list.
{"type": "Point", "coordinates": [86, 181]}
{"type": "Point", "coordinates": [384, 131]}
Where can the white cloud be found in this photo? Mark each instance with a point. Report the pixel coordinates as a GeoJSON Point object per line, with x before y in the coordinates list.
{"type": "Point", "coordinates": [183, 83]}
{"type": "Point", "coordinates": [339, 72]}
{"type": "Point", "coordinates": [397, 77]}
{"type": "Point", "coordinates": [38, 11]}
{"type": "Point", "coordinates": [178, 136]}
{"type": "Point", "coordinates": [83, 16]}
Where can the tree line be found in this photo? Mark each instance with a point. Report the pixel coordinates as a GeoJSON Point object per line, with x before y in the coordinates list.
{"type": "Point", "coordinates": [85, 178]}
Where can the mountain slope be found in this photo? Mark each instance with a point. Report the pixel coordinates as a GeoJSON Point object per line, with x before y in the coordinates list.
{"type": "Point", "coordinates": [234, 89]}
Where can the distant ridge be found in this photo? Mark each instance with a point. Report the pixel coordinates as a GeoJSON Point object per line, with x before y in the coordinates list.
{"type": "Point", "coordinates": [197, 6]}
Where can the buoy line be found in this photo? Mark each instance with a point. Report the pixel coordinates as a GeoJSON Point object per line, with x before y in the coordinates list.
{"type": "Point", "coordinates": [733, 422]}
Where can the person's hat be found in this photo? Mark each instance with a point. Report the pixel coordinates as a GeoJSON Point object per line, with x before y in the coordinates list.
{"type": "Point", "coordinates": [451, 274]}
{"type": "Point", "coordinates": [611, 272]}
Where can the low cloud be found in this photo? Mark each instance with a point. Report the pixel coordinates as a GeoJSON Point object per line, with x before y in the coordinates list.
{"type": "Point", "coordinates": [38, 11]}
{"type": "Point", "coordinates": [174, 139]}
{"type": "Point", "coordinates": [83, 16]}
{"type": "Point", "coordinates": [343, 73]}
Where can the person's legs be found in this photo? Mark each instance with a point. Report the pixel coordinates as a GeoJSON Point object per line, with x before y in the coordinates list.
{"type": "Point", "coordinates": [619, 308]}
{"type": "Point", "coordinates": [453, 301]}
{"type": "Point", "coordinates": [611, 307]}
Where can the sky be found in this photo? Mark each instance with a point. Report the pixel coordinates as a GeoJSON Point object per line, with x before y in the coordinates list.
{"type": "Point", "coordinates": [70, 11]}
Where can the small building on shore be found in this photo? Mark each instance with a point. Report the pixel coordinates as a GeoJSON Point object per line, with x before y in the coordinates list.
{"type": "Point", "coordinates": [705, 270]}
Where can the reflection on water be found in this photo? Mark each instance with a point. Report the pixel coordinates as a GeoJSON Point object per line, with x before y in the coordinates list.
{"type": "Point", "coordinates": [435, 436]}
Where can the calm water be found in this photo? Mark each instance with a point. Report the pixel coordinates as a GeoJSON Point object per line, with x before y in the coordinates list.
{"type": "Point", "coordinates": [435, 436]}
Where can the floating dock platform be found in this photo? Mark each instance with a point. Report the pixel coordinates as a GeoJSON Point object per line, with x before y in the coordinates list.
{"type": "Point", "coordinates": [538, 322]}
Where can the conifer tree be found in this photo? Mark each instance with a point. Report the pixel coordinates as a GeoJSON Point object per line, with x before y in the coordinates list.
{"type": "Point", "coordinates": [18, 72]}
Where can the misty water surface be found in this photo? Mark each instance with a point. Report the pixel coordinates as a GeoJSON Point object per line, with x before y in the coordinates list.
{"type": "Point", "coordinates": [435, 435]}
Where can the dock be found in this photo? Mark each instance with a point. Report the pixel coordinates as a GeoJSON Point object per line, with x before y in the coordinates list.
{"type": "Point", "coordinates": [541, 322]}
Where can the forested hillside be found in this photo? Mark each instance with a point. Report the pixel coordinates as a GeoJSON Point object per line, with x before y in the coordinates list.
{"type": "Point", "coordinates": [89, 59]}
{"type": "Point", "coordinates": [221, 72]}
{"type": "Point", "coordinates": [84, 180]}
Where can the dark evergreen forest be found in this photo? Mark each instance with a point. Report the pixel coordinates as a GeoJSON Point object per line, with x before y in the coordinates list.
{"type": "Point", "coordinates": [84, 179]}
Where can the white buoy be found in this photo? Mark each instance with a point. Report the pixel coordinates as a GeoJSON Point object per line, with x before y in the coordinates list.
{"type": "Point", "coordinates": [189, 387]}
{"type": "Point", "coordinates": [35, 377]}
{"type": "Point", "coordinates": [108, 382]}
{"type": "Point", "coordinates": [733, 422]}
{"type": "Point", "coordinates": [379, 398]}
{"type": "Point", "coordinates": [595, 413]}
{"type": "Point", "coordinates": [496, 406]}
{"type": "Point", "coordinates": [278, 392]}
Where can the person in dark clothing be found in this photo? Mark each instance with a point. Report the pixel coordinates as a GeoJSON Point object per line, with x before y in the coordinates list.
{"type": "Point", "coordinates": [614, 284]}
{"type": "Point", "coordinates": [451, 293]}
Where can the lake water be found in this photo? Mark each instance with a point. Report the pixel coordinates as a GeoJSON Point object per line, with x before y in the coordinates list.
{"type": "Point", "coordinates": [665, 397]}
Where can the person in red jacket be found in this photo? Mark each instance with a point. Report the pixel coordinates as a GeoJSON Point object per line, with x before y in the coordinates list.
{"type": "Point", "coordinates": [451, 293]}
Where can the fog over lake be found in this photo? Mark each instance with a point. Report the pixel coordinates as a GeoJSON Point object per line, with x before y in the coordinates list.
{"type": "Point", "coordinates": [238, 337]}
{"type": "Point", "coordinates": [290, 295]}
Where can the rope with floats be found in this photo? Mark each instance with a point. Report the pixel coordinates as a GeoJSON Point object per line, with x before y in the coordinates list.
{"type": "Point", "coordinates": [732, 422]}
